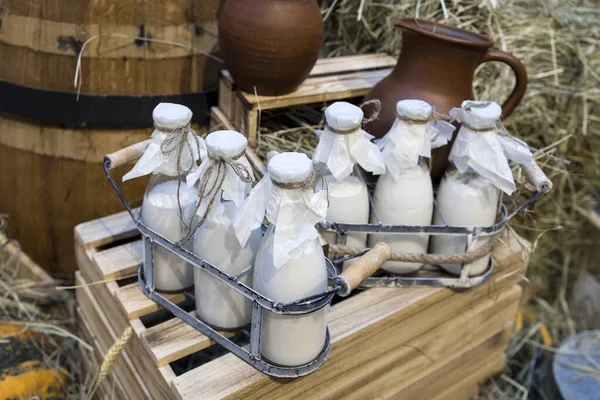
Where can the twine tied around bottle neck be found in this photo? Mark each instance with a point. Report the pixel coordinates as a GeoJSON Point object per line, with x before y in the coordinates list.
{"type": "Point", "coordinates": [309, 183]}
{"type": "Point", "coordinates": [497, 127]}
{"type": "Point", "coordinates": [375, 102]}
{"type": "Point", "coordinates": [434, 116]}
{"type": "Point", "coordinates": [210, 188]}
{"type": "Point", "coordinates": [176, 142]}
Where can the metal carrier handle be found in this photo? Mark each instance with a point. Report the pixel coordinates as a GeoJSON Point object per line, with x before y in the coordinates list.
{"type": "Point", "coordinates": [126, 155]}
{"type": "Point", "coordinates": [341, 285]}
{"type": "Point", "coordinates": [365, 266]}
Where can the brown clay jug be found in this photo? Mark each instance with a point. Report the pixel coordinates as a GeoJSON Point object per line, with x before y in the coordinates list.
{"type": "Point", "coordinates": [437, 64]}
{"type": "Point", "coordinates": [270, 44]}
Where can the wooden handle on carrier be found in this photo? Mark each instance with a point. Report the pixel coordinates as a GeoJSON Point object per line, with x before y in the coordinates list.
{"type": "Point", "coordinates": [362, 268]}
{"type": "Point", "coordinates": [127, 155]}
{"type": "Point", "coordinates": [536, 176]}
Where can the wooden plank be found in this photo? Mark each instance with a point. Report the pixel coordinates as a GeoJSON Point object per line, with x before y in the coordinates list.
{"type": "Point", "coordinates": [111, 386]}
{"type": "Point", "coordinates": [162, 377]}
{"type": "Point", "coordinates": [133, 355]}
{"type": "Point", "coordinates": [377, 319]}
{"type": "Point", "coordinates": [135, 304]}
{"type": "Point", "coordinates": [319, 89]}
{"type": "Point", "coordinates": [406, 347]}
{"type": "Point", "coordinates": [106, 335]}
{"type": "Point", "coordinates": [227, 90]}
{"type": "Point", "coordinates": [174, 339]}
{"type": "Point", "coordinates": [121, 261]}
{"type": "Point", "coordinates": [433, 347]}
{"type": "Point", "coordinates": [106, 230]}
{"type": "Point", "coordinates": [28, 269]}
{"type": "Point", "coordinates": [468, 387]}
{"type": "Point", "coordinates": [218, 120]}
{"type": "Point", "coordinates": [354, 63]}
{"type": "Point", "coordinates": [445, 373]}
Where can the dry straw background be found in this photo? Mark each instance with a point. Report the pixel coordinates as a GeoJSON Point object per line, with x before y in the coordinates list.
{"type": "Point", "coordinates": [559, 43]}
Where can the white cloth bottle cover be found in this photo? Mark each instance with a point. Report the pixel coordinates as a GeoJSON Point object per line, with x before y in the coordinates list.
{"type": "Point", "coordinates": [414, 133]}
{"type": "Point", "coordinates": [483, 145]}
{"type": "Point", "coordinates": [173, 140]}
{"type": "Point", "coordinates": [293, 212]}
{"type": "Point", "coordinates": [343, 143]}
{"type": "Point", "coordinates": [226, 148]}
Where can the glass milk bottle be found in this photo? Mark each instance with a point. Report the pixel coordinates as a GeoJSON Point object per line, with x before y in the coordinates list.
{"type": "Point", "coordinates": [168, 203]}
{"type": "Point", "coordinates": [342, 145]}
{"type": "Point", "coordinates": [464, 200]}
{"type": "Point", "coordinates": [215, 240]}
{"type": "Point", "coordinates": [469, 194]}
{"type": "Point", "coordinates": [404, 194]}
{"type": "Point", "coordinates": [290, 263]}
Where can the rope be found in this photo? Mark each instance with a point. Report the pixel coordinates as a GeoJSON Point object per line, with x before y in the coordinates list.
{"type": "Point", "coordinates": [433, 259]}
{"type": "Point", "coordinates": [309, 183]}
{"type": "Point", "coordinates": [210, 189]}
{"type": "Point", "coordinates": [175, 142]}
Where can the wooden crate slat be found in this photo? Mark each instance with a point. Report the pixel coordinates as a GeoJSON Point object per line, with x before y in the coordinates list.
{"type": "Point", "coordinates": [385, 349]}
{"type": "Point", "coordinates": [106, 230]}
{"type": "Point", "coordinates": [106, 337]}
{"type": "Point", "coordinates": [219, 121]}
{"type": "Point", "coordinates": [443, 375]}
{"type": "Point", "coordinates": [345, 64]}
{"type": "Point", "coordinates": [195, 385]}
{"type": "Point", "coordinates": [319, 89]}
{"type": "Point", "coordinates": [468, 387]}
{"type": "Point", "coordinates": [135, 304]}
{"type": "Point", "coordinates": [174, 339]}
{"type": "Point", "coordinates": [121, 261]}
{"type": "Point", "coordinates": [111, 386]}
{"type": "Point", "coordinates": [417, 357]}
{"type": "Point", "coordinates": [134, 355]}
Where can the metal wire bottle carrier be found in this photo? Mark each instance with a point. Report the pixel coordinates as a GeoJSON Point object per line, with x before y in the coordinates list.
{"type": "Point", "coordinates": [341, 285]}
{"type": "Point", "coordinates": [434, 275]}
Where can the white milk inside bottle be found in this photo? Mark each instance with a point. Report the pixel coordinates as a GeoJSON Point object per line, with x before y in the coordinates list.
{"type": "Point", "coordinates": [168, 203]}
{"type": "Point", "coordinates": [342, 145]}
{"type": "Point", "coordinates": [216, 242]}
{"type": "Point", "coordinates": [464, 203]}
{"type": "Point", "coordinates": [349, 203]}
{"type": "Point", "coordinates": [404, 194]}
{"type": "Point", "coordinates": [469, 194]}
{"type": "Point", "coordinates": [408, 200]}
{"type": "Point", "coordinates": [290, 263]}
{"type": "Point", "coordinates": [160, 212]}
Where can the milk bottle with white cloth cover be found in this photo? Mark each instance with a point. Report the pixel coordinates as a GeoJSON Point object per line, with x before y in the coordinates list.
{"type": "Point", "coordinates": [469, 193]}
{"type": "Point", "coordinates": [342, 145]}
{"type": "Point", "coordinates": [168, 203]}
{"type": "Point", "coordinates": [290, 263]}
{"type": "Point", "coordinates": [224, 179]}
{"type": "Point", "coordinates": [404, 194]}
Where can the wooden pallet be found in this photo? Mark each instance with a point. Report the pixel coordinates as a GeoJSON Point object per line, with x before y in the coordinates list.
{"type": "Point", "coordinates": [385, 342]}
{"type": "Point", "coordinates": [330, 80]}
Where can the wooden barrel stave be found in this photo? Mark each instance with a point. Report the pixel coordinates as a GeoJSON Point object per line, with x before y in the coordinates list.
{"type": "Point", "coordinates": [51, 177]}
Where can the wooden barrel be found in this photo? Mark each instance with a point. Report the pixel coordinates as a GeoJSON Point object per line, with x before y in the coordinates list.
{"type": "Point", "coordinates": [52, 142]}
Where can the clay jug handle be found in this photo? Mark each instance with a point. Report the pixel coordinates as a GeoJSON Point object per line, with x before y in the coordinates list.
{"type": "Point", "coordinates": [521, 74]}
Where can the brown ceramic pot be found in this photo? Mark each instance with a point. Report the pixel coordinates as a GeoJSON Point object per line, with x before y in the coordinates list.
{"type": "Point", "coordinates": [270, 44]}
{"type": "Point", "coordinates": [437, 64]}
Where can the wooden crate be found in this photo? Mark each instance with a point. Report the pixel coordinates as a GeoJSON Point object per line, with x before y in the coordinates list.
{"type": "Point", "coordinates": [385, 342]}
{"type": "Point", "coordinates": [330, 80]}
